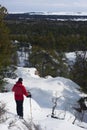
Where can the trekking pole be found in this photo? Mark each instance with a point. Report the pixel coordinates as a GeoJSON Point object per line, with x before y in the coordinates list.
{"type": "Point", "coordinates": [31, 113]}
{"type": "Point", "coordinates": [30, 109]}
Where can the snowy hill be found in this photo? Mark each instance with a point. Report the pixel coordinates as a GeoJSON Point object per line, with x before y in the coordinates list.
{"type": "Point", "coordinates": [64, 13]}
{"type": "Point", "coordinates": [59, 16]}
{"type": "Point", "coordinates": [44, 93]}
{"type": "Point", "coordinates": [53, 13]}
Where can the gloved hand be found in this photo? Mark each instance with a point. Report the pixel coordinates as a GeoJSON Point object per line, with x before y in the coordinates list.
{"type": "Point", "coordinates": [29, 96]}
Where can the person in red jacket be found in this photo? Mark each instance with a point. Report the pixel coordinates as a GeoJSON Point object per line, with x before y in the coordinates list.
{"type": "Point", "coordinates": [19, 92]}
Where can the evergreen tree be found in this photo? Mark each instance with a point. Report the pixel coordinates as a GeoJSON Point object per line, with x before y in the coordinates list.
{"type": "Point", "coordinates": [5, 45]}
{"type": "Point", "coordinates": [49, 62]}
{"type": "Point", "coordinates": [79, 70]}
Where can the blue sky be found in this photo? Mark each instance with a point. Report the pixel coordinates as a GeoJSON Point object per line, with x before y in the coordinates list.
{"type": "Point", "coordinates": [45, 5]}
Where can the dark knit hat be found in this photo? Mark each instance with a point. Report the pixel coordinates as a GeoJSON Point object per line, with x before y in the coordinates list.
{"type": "Point", "coordinates": [20, 79]}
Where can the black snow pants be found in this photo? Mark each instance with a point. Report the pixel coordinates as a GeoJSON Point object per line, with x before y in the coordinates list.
{"type": "Point", "coordinates": [19, 108]}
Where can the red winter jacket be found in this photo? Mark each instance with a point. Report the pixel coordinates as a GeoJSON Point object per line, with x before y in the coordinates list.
{"type": "Point", "coordinates": [19, 90]}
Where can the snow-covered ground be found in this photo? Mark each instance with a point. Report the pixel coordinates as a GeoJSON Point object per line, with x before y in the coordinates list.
{"type": "Point", "coordinates": [44, 91]}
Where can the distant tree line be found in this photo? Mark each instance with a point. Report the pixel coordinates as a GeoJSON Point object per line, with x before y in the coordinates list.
{"type": "Point", "coordinates": [61, 35]}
